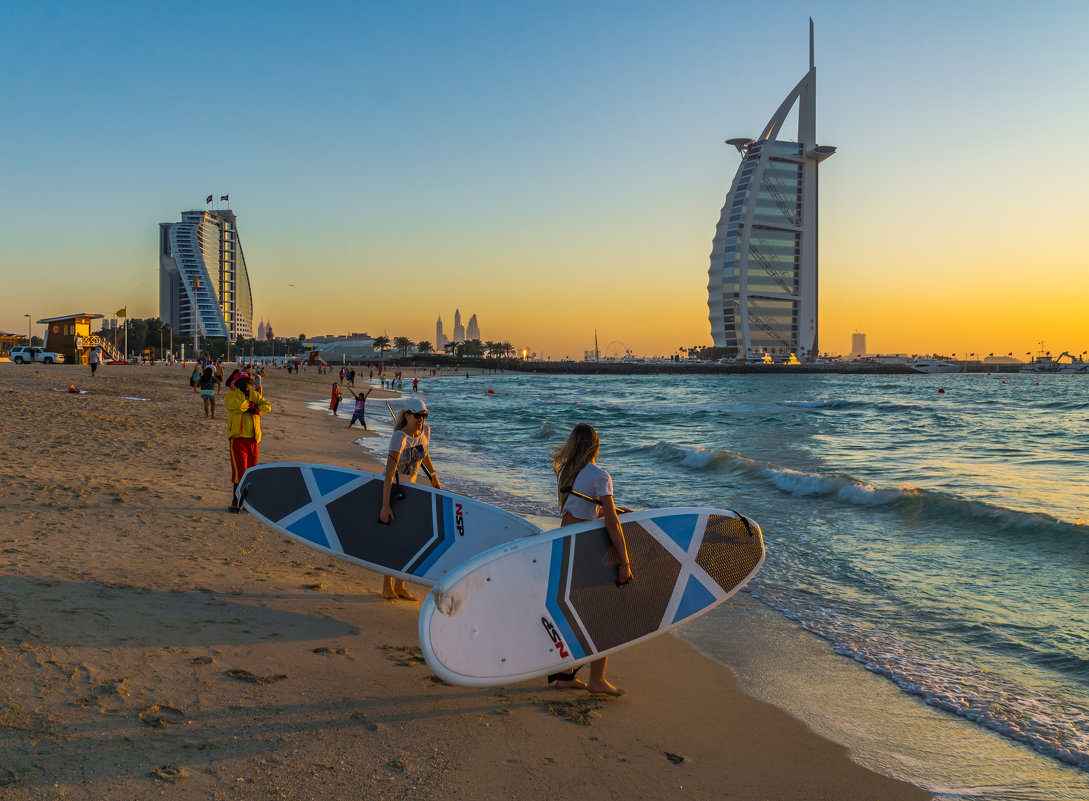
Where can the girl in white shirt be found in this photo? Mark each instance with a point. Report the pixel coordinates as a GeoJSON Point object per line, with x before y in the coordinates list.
{"type": "Point", "coordinates": [576, 471]}
{"type": "Point", "coordinates": [407, 453]}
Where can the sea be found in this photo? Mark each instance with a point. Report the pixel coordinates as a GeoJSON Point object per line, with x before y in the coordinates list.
{"type": "Point", "coordinates": [925, 599]}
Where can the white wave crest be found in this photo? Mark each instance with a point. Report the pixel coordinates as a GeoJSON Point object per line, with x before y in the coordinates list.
{"type": "Point", "coordinates": [795, 482]}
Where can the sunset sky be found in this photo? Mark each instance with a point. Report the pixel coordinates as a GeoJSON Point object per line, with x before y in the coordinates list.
{"type": "Point", "coordinates": [555, 168]}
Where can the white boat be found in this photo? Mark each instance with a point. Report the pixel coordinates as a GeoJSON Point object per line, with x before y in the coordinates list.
{"type": "Point", "coordinates": [935, 366]}
{"type": "Point", "coordinates": [1045, 364]}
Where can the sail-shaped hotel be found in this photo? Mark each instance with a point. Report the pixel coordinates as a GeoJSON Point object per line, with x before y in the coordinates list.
{"type": "Point", "coordinates": [762, 292]}
{"type": "Point", "coordinates": [204, 288]}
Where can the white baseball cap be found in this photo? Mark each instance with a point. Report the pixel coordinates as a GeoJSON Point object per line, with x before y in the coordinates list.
{"type": "Point", "coordinates": [414, 404]}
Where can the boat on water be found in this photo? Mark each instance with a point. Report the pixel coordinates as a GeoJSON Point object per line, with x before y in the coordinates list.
{"type": "Point", "coordinates": [935, 366]}
{"type": "Point", "coordinates": [1045, 364]}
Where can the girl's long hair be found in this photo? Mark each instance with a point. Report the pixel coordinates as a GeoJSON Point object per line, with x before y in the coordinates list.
{"type": "Point", "coordinates": [580, 449]}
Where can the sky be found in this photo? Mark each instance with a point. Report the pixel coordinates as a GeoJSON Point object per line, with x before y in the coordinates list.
{"type": "Point", "coordinates": [556, 169]}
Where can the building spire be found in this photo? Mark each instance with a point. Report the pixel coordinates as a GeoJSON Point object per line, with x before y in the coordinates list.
{"type": "Point", "coordinates": [812, 63]}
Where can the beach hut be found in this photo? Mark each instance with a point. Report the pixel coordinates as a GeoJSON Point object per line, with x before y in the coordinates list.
{"type": "Point", "coordinates": [9, 341]}
{"type": "Point", "coordinates": [71, 335]}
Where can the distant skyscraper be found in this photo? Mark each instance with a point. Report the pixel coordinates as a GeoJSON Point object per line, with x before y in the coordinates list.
{"type": "Point", "coordinates": [261, 332]}
{"type": "Point", "coordinates": [762, 288]}
{"type": "Point", "coordinates": [203, 282]}
{"type": "Point", "coordinates": [858, 344]}
{"type": "Point", "coordinates": [459, 329]}
{"type": "Point", "coordinates": [440, 337]}
{"type": "Point", "coordinates": [472, 331]}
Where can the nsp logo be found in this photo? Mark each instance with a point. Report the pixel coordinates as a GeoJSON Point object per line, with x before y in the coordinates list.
{"type": "Point", "coordinates": [555, 635]}
{"type": "Point", "coordinates": [459, 520]}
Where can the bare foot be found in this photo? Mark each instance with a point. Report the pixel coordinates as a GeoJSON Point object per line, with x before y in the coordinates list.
{"type": "Point", "coordinates": [603, 687]}
{"type": "Point", "coordinates": [403, 593]}
{"type": "Point", "coordinates": [573, 684]}
{"type": "Point", "coordinates": [389, 595]}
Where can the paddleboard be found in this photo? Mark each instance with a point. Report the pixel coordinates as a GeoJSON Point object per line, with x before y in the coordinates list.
{"type": "Point", "coordinates": [549, 603]}
{"type": "Point", "coordinates": [335, 510]}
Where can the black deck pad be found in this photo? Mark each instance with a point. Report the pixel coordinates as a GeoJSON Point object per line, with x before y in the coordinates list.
{"type": "Point", "coordinates": [355, 519]}
{"type": "Point", "coordinates": [278, 492]}
{"type": "Point", "coordinates": [615, 615]}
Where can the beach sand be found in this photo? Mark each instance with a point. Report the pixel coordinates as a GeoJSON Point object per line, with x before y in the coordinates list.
{"type": "Point", "coordinates": [154, 646]}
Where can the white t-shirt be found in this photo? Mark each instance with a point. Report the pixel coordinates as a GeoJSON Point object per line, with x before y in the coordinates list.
{"type": "Point", "coordinates": [592, 481]}
{"type": "Point", "coordinates": [410, 451]}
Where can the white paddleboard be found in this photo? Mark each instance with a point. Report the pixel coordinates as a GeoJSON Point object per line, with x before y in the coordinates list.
{"type": "Point", "coordinates": [335, 510]}
{"type": "Point", "coordinates": [548, 603]}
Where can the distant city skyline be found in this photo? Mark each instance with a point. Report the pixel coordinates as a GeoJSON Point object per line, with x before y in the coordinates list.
{"type": "Point", "coordinates": [561, 166]}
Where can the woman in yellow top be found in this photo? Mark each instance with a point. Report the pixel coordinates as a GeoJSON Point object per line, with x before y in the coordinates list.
{"type": "Point", "coordinates": [244, 409]}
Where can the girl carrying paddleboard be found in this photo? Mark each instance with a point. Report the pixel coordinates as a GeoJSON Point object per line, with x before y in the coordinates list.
{"type": "Point", "coordinates": [407, 454]}
{"type": "Point", "coordinates": [586, 493]}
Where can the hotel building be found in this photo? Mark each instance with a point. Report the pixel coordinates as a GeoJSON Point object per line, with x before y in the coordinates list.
{"type": "Point", "coordinates": [204, 288]}
{"type": "Point", "coordinates": [762, 288]}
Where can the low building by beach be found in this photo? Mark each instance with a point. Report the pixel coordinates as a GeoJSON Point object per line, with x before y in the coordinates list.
{"type": "Point", "coordinates": [71, 335]}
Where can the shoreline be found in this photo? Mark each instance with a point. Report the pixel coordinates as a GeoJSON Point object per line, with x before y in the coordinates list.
{"type": "Point", "coordinates": [152, 643]}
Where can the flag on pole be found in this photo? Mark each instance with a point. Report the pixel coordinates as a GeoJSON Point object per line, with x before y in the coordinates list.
{"type": "Point", "coordinates": [209, 200]}
{"type": "Point", "coordinates": [122, 312]}
{"type": "Point", "coordinates": [224, 197]}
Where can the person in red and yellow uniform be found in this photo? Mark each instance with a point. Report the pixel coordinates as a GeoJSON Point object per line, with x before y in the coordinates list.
{"type": "Point", "coordinates": [245, 406]}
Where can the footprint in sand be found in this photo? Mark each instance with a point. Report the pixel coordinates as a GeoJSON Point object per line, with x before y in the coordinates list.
{"type": "Point", "coordinates": [159, 716]}
{"type": "Point", "coordinates": [581, 711]}
{"type": "Point", "coordinates": [404, 655]}
{"type": "Point", "coordinates": [245, 675]}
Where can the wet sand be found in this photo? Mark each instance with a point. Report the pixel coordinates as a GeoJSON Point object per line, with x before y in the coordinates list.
{"type": "Point", "coordinates": [154, 646]}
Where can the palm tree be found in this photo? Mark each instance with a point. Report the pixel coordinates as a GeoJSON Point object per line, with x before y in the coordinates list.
{"type": "Point", "coordinates": [381, 344]}
{"type": "Point", "coordinates": [451, 348]}
{"type": "Point", "coordinates": [424, 347]}
{"type": "Point", "coordinates": [492, 349]}
{"type": "Point", "coordinates": [474, 347]}
{"type": "Point", "coordinates": [506, 349]}
{"type": "Point", "coordinates": [403, 344]}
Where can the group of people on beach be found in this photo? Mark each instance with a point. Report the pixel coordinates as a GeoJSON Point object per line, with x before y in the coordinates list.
{"type": "Point", "coordinates": [585, 490]}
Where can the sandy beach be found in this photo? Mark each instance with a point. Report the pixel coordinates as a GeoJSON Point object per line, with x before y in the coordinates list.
{"type": "Point", "coordinates": [154, 646]}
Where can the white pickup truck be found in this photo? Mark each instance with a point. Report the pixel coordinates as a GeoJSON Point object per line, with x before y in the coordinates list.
{"type": "Point", "coordinates": [21, 354]}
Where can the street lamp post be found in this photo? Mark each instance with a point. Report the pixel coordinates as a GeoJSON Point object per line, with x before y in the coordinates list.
{"type": "Point", "coordinates": [27, 316]}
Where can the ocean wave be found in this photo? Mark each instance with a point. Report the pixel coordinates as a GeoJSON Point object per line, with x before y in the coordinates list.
{"type": "Point", "coordinates": [842, 487]}
{"type": "Point", "coordinates": [843, 403]}
{"type": "Point", "coordinates": [1049, 725]}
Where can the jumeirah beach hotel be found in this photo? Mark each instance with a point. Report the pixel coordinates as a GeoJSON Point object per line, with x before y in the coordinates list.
{"type": "Point", "coordinates": [762, 292]}
{"type": "Point", "coordinates": [204, 289]}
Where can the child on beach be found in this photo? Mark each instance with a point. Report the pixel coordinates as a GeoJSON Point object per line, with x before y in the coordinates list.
{"type": "Point", "coordinates": [334, 400]}
{"type": "Point", "coordinates": [244, 409]}
{"type": "Point", "coordinates": [407, 454]}
{"type": "Point", "coordinates": [576, 471]}
{"type": "Point", "coordinates": [360, 404]}
{"type": "Point", "coordinates": [208, 384]}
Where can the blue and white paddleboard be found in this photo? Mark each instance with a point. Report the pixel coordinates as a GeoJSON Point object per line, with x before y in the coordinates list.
{"type": "Point", "coordinates": [335, 510]}
{"type": "Point", "coordinates": [549, 603]}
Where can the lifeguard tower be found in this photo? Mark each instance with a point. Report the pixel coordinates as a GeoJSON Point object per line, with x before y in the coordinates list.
{"type": "Point", "coordinates": [71, 335]}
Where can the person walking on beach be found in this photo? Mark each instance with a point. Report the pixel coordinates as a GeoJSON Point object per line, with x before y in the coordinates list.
{"type": "Point", "coordinates": [94, 359]}
{"type": "Point", "coordinates": [334, 400]}
{"type": "Point", "coordinates": [244, 409]}
{"type": "Point", "coordinates": [576, 471]}
{"type": "Point", "coordinates": [407, 454]}
{"type": "Point", "coordinates": [194, 377]}
{"type": "Point", "coordinates": [360, 404]}
{"type": "Point", "coordinates": [208, 384]}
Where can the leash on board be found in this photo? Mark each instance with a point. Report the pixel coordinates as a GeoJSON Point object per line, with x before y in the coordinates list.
{"type": "Point", "coordinates": [620, 509]}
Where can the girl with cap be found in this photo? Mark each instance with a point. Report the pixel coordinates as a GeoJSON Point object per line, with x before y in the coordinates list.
{"type": "Point", "coordinates": [407, 454]}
